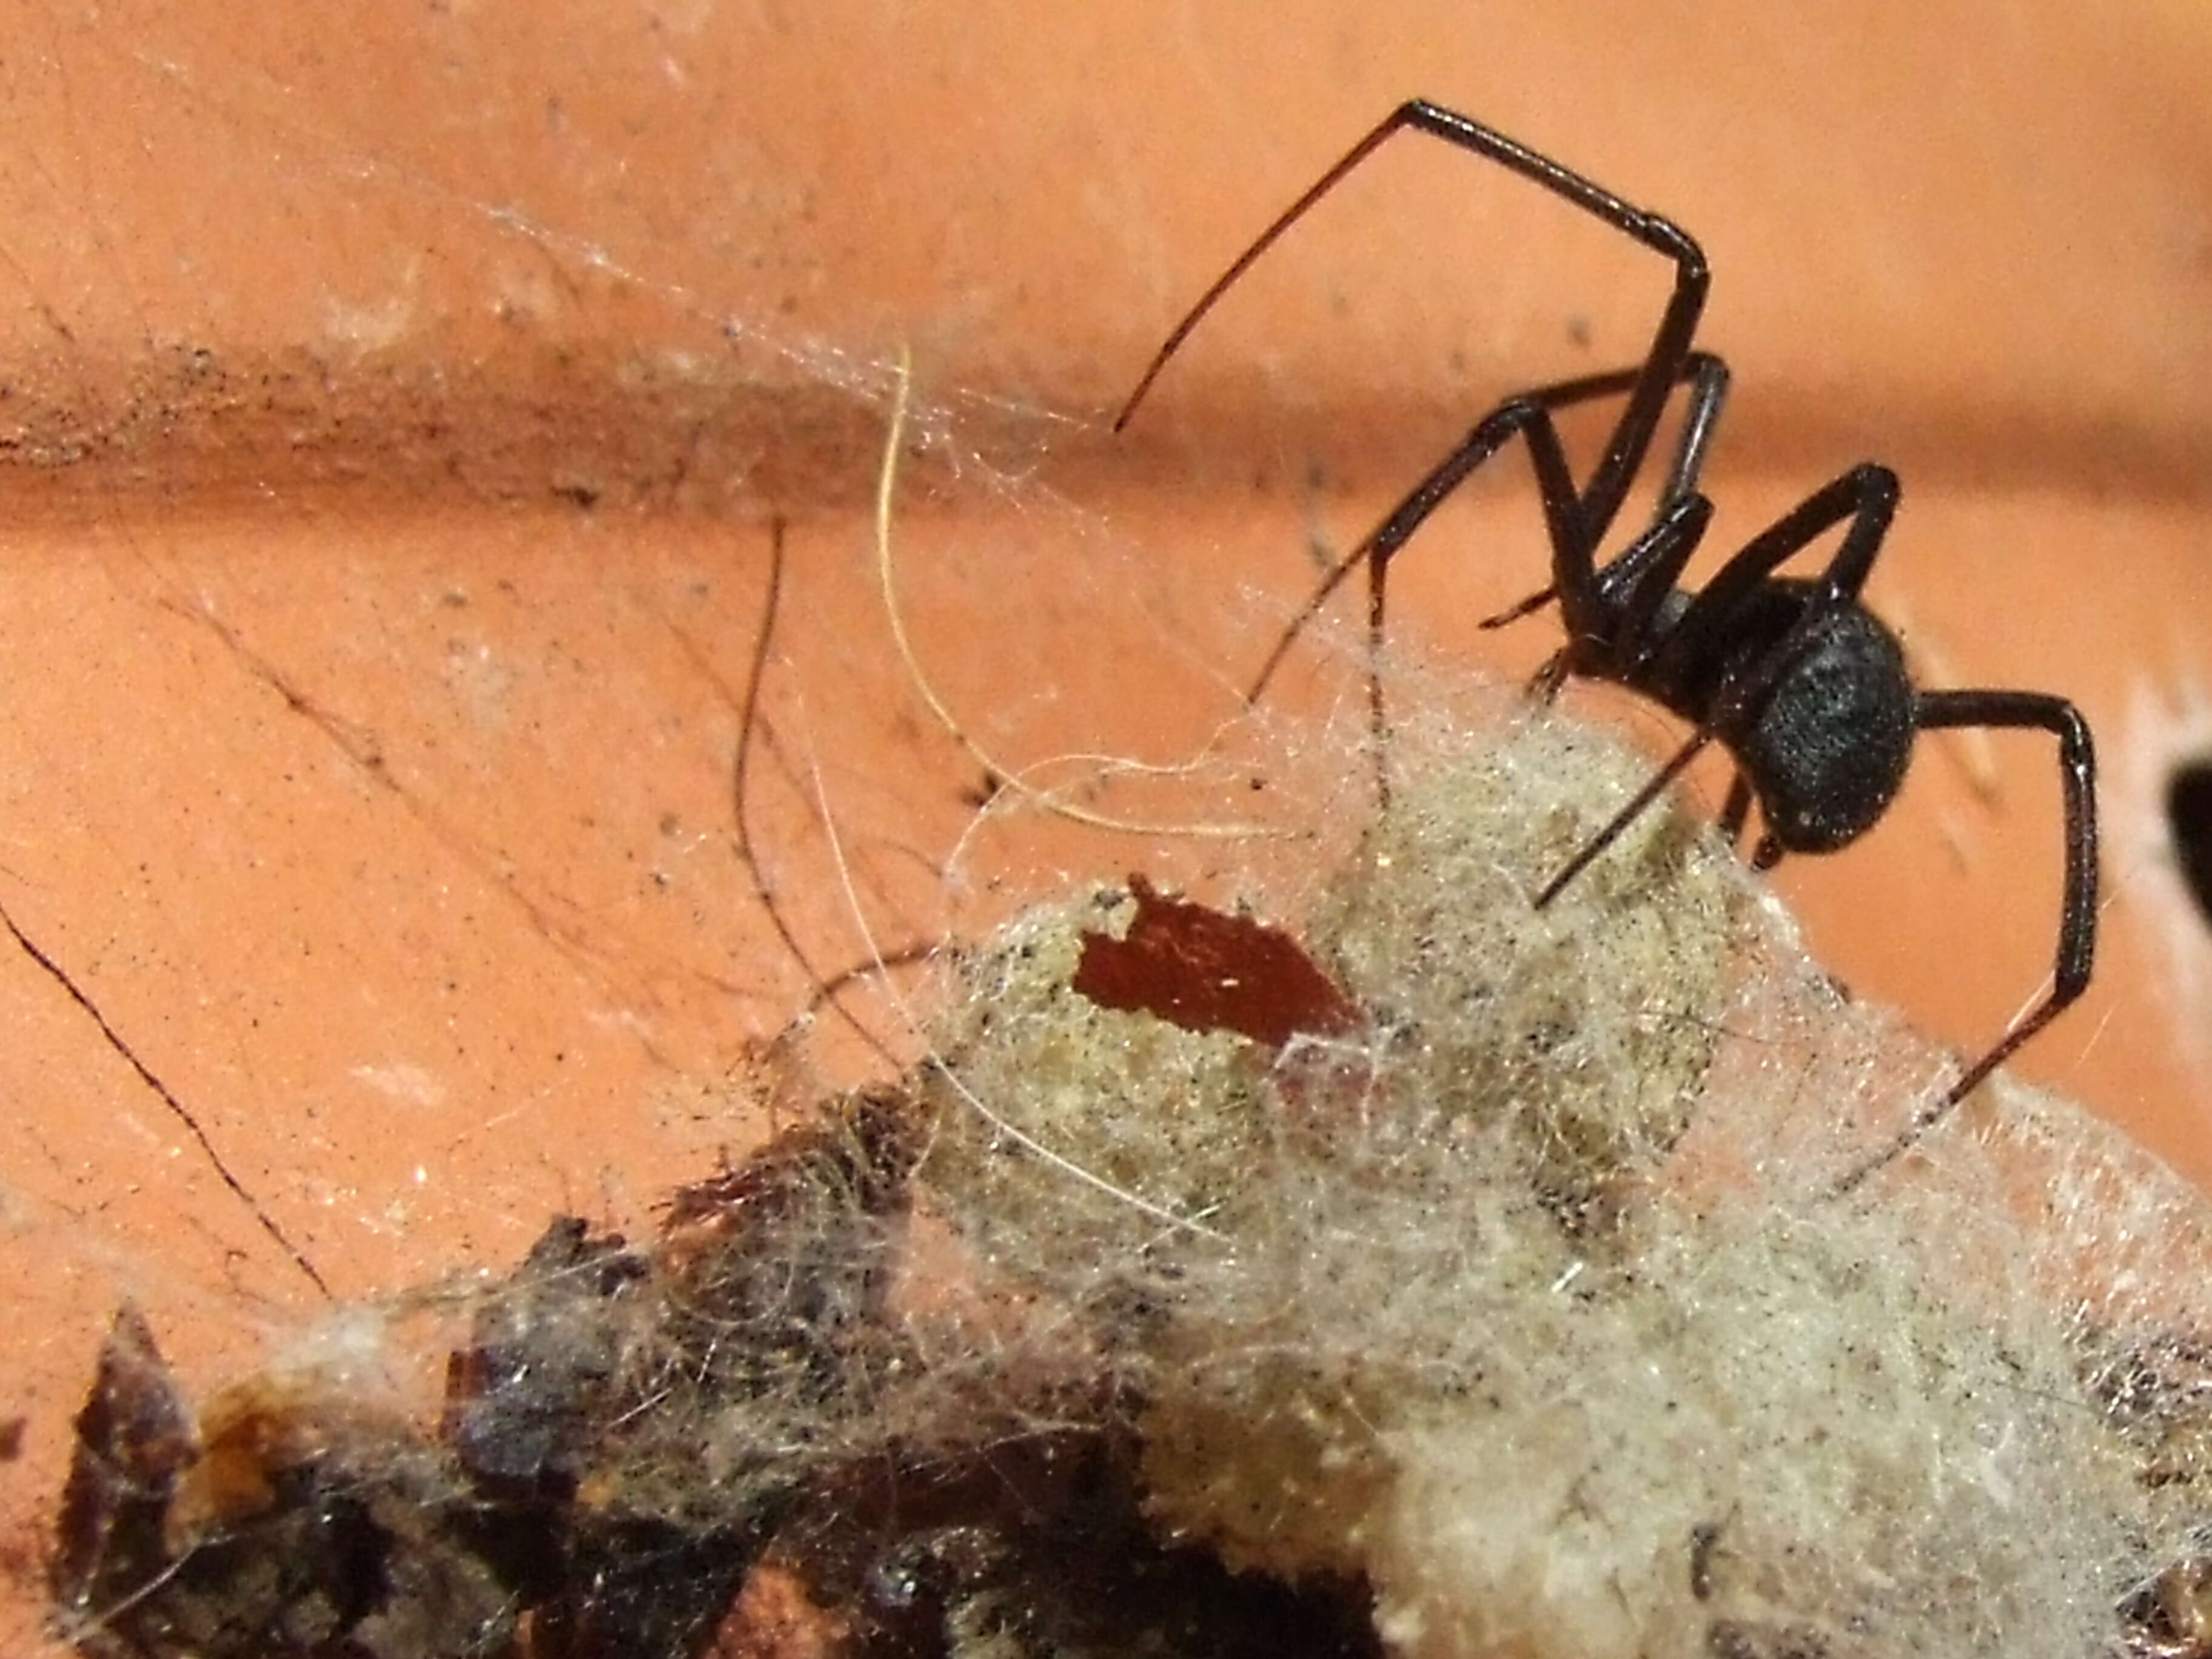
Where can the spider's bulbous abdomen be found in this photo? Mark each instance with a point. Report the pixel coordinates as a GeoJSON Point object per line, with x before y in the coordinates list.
{"type": "Point", "coordinates": [1827, 752]}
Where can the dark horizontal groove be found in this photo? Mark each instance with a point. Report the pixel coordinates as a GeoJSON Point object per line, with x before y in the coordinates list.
{"type": "Point", "coordinates": [189, 433]}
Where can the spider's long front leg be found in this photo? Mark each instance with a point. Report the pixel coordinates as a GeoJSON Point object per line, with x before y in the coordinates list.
{"type": "Point", "coordinates": [1670, 344]}
{"type": "Point", "coordinates": [1578, 520]}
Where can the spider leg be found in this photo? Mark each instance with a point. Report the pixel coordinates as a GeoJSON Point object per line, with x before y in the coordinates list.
{"type": "Point", "coordinates": [1651, 565]}
{"type": "Point", "coordinates": [1626, 591]}
{"type": "Point", "coordinates": [1654, 786]}
{"type": "Point", "coordinates": [1554, 483]}
{"type": "Point", "coordinates": [1565, 521]}
{"type": "Point", "coordinates": [1737, 813]}
{"type": "Point", "coordinates": [2077, 910]}
{"type": "Point", "coordinates": [1670, 344]}
{"type": "Point", "coordinates": [1571, 556]}
{"type": "Point", "coordinates": [1577, 520]}
{"type": "Point", "coordinates": [1544, 684]}
{"type": "Point", "coordinates": [1669, 663]}
{"type": "Point", "coordinates": [1520, 608]}
{"type": "Point", "coordinates": [1631, 589]}
{"type": "Point", "coordinates": [1769, 853]}
{"type": "Point", "coordinates": [1709, 379]}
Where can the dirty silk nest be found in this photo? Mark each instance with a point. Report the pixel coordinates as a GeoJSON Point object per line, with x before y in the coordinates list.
{"type": "Point", "coordinates": [1442, 1277]}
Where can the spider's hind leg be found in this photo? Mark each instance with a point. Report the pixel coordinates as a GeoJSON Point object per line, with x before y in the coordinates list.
{"type": "Point", "coordinates": [2077, 910]}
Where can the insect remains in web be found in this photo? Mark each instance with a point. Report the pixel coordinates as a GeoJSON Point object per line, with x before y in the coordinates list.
{"type": "Point", "coordinates": [1804, 687]}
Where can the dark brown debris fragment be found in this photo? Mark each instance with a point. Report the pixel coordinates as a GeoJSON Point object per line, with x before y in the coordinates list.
{"type": "Point", "coordinates": [281, 1522]}
{"type": "Point", "coordinates": [133, 1438]}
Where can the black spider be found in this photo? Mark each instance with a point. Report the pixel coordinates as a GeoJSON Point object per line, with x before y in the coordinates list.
{"type": "Point", "coordinates": [1795, 677]}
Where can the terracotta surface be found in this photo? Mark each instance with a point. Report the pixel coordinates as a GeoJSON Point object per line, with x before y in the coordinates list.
{"type": "Point", "coordinates": [398, 418]}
